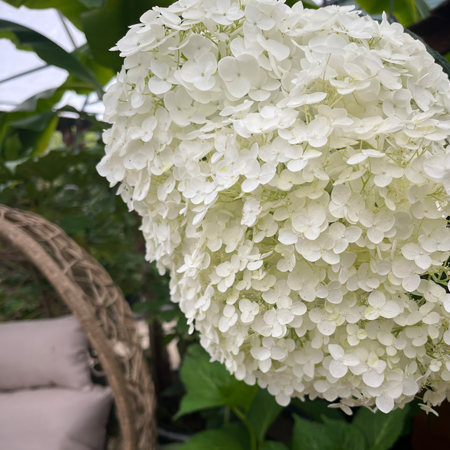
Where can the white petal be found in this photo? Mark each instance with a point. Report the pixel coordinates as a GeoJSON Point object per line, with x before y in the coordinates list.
{"type": "Point", "coordinates": [373, 379]}
{"type": "Point", "coordinates": [390, 310]}
{"type": "Point", "coordinates": [298, 309]}
{"type": "Point", "coordinates": [326, 327]}
{"type": "Point", "coordinates": [336, 351]}
{"type": "Point", "coordinates": [337, 369]}
{"type": "Point", "coordinates": [228, 68]}
{"type": "Point", "coordinates": [356, 159]}
{"type": "Point", "coordinates": [384, 403]}
{"type": "Point", "coordinates": [377, 299]}
{"type": "Point", "coordinates": [411, 283]}
{"type": "Point", "coordinates": [238, 87]}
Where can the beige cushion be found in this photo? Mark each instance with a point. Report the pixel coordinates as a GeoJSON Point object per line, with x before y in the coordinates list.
{"type": "Point", "coordinates": [39, 353]}
{"type": "Point", "coordinates": [54, 419]}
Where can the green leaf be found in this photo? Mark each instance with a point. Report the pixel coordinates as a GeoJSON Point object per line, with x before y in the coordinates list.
{"type": "Point", "coordinates": [306, 3]}
{"type": "Point", "coordinates": [239, 432]}
{"type": "Point", "coordinates": [310, 4]}
{"type": "Point", "coordinates": [210, 385]}
{"type": "Point", "coordinates": [37, 122]}
{"type": "Point", "coordinates": [438, 58]}
{"type": "Point", "coordinates": [404, 10]}
{"type": "Point", "coordinates": [149, 306]}
{"type": "Point", "coordinates": [212, 440]}
{"type": "Point", "coordinates": [317, 409]}
{"type": "Point", "coordinates": [331, 435]}
{"type": "Point", "coordinates": [50, 52]}
{"type": "Point", "coordinates": [43, 101]}
{"type": "Point", "coordinates": [272, 445]}
{"type": "Point", "coordinates": [423, 10]}
{"type": "Point", "coordinates": [91, 3]}
{"type": "Point", "coordinates": [69, 8]}
{"type": "Point", "coordinates": [103, 74]}
{"type": "Point", "coordinates": [263, 412]}
{"type": "Point", "coordinates": [380, 430]}
{"type": "Point", "coordinates": [106, 25]}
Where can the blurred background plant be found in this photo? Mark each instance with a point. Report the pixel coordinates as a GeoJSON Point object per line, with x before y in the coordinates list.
{"type": "Point", "coordinates": [48, 154]}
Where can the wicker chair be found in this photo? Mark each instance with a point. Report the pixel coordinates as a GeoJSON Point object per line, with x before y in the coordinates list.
{"type": "Point", "coordinates": [98, 304]}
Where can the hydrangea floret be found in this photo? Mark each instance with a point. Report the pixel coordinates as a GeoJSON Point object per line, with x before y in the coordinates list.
{"type": "Point", "coordinates": [292, 170]}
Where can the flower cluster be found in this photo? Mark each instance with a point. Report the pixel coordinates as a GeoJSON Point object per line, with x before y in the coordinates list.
{"type": "Point", "coordinates": [292, 169]}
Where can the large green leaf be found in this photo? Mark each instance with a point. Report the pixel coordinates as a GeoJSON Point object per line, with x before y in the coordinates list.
{"type": "Point", "coordinates": [239, 432]}
{"type": "Point", "coordinates": [41, 101]}
{"type": "Point", "coordinates": [91, 3]}
{"type": "Point", "coordinates": [380, 430]}
{"type": "Point", "coordinates": [69, 8]}
{"type": "Point", "coordinates": [102, 73]}
{"type": "Point", "coordinates": [263, 412]}
{"type": "Point", "coordinates": [423, 10]}
{"type": "Point", "coordinates": [331, 435]}
{"type": "Point", "coordinates": [210, 385]}
{"type": "Point", "coordinates": [50, 52]}
{"type": "Point", "coordinates": [106, 25]}
{"type": "Point", "coordinates": [29, 139]}
{"type": "Point", "coordinates": [272, 445]}
{"type": "Point", "coordinates": [37, 122]}
{"type": "Point", "coordinates": [317, 409]}
{"type": "Point", "coordinates": [212, 440]}
{"type": "Point", "coordinates": [404, 10]}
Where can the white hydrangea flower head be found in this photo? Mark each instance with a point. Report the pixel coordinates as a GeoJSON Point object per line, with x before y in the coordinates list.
{"type": "Point", "coordinates": [292, 169]}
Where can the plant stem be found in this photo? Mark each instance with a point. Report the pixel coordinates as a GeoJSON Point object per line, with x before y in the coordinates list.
{"type": "Point", "coordinates": [250, 429]}
{"type": "Point", "coordinates": [226, 415]}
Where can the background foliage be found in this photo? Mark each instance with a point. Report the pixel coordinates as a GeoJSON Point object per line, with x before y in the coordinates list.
{"type": "Point", "coordinates": [47, 165]}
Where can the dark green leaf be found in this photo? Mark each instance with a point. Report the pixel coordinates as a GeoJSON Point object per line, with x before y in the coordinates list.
{"type": "Point", "coordinates": [168, 315]}
{"type": "Point", "coordinates": [306, 3]}
{"type": "Point", "coordinates": [404, 10]}
{"type": "Point", "coordinates": [331, 435]}
{"type": "Point", "coordinates": [263, 412]}
{"type": "Point", "coordinates": [34, 143]}
{"type": "Point", "coordinates": [210, 384]}
{"type": "Point", "coordinates": [43, 101]}
{"type": "Point", "coordinates": [239, 432]}
{"type": "Point", "coordinates": [439, 59]}
{"type": "Point", "coordinates": [310, 4]}
{"type": "Point", "coordinates": [37, 122]}
{"type": "Point", "coordinates": [103, 74]}
{"type": "Point", "coordinates": [380, 430]}
{"type": "Point", "coordinates": [50, 52]}
{"type": "Point", "coordinates": [272, 445]}
{"type": "Point", "coordinates": [69, 8]}
{"type": "Point", "coordinates": [148, 307]}
{"type": "Point", "coordinates": [106, 25]}
{"type": "Point", "coordinates": [423, 10]}
{"type": "Point", "coordinates": [212, 440]}
{"type": "Point", "coordinates": [91, 3]}
{"type": "Point", "coordinates": [11, 147]}
{"type": "Point", "coordinates": [317, 409]}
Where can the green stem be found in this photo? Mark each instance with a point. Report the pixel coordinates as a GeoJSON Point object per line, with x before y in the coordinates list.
{"type": "Point", "coordinates": [226, 416]}
{"type": "Point", "coordinates": [250, 429]}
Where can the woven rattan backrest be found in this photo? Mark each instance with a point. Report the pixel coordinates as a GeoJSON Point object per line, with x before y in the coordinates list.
{"type": "Point", "coordinates": [89, 292]}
